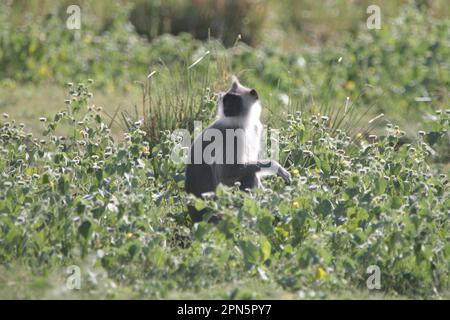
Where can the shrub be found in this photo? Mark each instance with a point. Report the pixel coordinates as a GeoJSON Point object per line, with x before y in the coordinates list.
{"type": "Point", "coordinates": [119, 206]}
{"type": "Point", "coordinates": [224, 20]}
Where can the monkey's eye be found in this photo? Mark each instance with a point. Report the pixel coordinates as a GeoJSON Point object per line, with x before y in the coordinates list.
{"type": "Point", "coordinates": [254, 94]}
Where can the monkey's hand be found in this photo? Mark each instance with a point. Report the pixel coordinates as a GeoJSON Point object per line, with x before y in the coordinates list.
{"type": "Point", "coordinates": [285, 175]}
{"type": "Point", "coordinates": [273, 167]}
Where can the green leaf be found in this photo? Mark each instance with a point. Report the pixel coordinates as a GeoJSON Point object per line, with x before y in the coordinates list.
{"type": "Point", "coordinates": [250, 206]}
{"type": "Point", "coordinates": [85, 229]}
{"type": "Point", "coordinates": [380, 186]}
{"type": "Point", "coordinates": [265, 223]}
{"type": "Point", "coordinates": [265, 248]}
{"type": "Point", "coordinates": [63, 185]}
{"type": "Point", "coordinates": [325, 207]}
{"type": "Point", "coordinates": [251, 252]}
{"type": "Point", "coordinates": [432, 137]}
{"type": "Point", "coordinates": [396, 202]}
{"type": "Point", "coordinates": [199, 204]}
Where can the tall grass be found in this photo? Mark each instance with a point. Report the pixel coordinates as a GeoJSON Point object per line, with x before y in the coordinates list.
{"type": "Point", "coordinates": [175, 97]}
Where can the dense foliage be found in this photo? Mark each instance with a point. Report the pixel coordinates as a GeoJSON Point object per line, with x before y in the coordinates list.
{"type": "Point", "coordinates": [369, 188]}
{"type": "Point", "coordinates": [121, 206]}
{"type": "Point", "coordinates": [396, 68]}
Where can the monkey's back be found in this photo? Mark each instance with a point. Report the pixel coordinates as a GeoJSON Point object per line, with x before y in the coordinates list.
{"type": "Point", "coordinates": [202, 177]}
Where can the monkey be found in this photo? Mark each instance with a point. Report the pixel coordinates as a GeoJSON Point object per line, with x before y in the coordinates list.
{"type": "Point", "coordinates": [237, 137]}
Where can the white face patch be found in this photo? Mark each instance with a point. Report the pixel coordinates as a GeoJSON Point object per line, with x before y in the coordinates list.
{"type": "Point", "coordinates": [249, 122]}
{"type": "Point", "coordinates": [243, 110]}
{"type": "Point", "coordinates": [252, 116]}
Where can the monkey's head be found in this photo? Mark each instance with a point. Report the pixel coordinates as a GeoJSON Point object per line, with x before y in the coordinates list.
{"type": "Point", "coordinates": [239, 101]}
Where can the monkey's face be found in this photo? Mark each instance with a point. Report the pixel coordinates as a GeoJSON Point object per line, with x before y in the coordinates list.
{"type": "Point", "coordinates": [239, 100]}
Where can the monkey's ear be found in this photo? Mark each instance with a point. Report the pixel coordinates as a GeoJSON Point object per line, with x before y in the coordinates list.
{"type": "Point", "coordinates": [234, 84]}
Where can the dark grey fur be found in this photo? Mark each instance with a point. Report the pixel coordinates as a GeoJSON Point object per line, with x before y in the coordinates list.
{"type": "Point", "coordinates": [204, 178]}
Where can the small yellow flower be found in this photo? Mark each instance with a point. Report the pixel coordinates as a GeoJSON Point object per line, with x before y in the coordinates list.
{"type": "Point", "coordinates": [32, 48]}
{"type": "Point", "coordinates": [83, 134]}
{"type": "Point", "coordinates": [350, 85]}
{"type": "Point", "coordinates": [320, 273]}
{"type": "Point", "coordinates": [129, 143]}
{"type": "Point", "coordinates": [296, 205]}
{"type": "Point", "coordinates": [376, 200]}
{"type": "Point", "coordinates": [345, 163]}
{"type": "Point", "coordinates": [295, 172]}
{"type": "Point", "coordinates": [44, 72]}
{"type": "Point", "coordinates": [315, 109]}
{"type": "Point", "coordinates": [87, 39]}
{"type": "Point", "coordinates": [359, 135]}
{"type": "Point", "coordinates": [30, 171]}
{"type": "Point", "coordinates": [129, 235]}
{"type": "Point", "coordinates": [144, 149]}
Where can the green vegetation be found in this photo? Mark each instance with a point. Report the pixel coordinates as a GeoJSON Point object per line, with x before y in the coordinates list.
{"type": "Point", "coordinates": [86, 175]}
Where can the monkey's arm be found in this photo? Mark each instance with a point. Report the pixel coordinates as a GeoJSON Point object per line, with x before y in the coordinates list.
{"type": "Point", "coordinates": [269, 167]}
{"type": "Point", "coordinates": [266, 167]}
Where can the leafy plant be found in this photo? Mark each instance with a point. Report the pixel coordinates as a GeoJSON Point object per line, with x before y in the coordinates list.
{"type": "Point", "coordinates": [113, 206]}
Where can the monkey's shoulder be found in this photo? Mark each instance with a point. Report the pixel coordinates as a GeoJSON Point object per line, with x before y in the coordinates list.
{"type": "Point", "coordinates": [236, 124]}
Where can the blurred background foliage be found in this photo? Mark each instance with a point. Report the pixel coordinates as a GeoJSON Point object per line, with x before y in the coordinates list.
{"type": "Point", "coordinates": [308, 21]}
